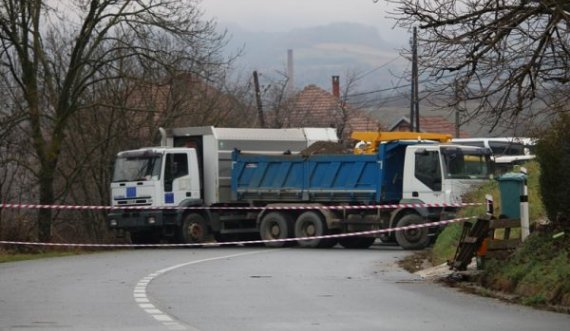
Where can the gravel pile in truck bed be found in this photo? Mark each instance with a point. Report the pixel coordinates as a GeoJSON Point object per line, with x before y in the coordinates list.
{"type": "Point", "coordinates": [325, 147]}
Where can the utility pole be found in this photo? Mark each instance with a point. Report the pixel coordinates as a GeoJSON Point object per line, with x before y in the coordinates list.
{"type": "Point", "coordinates": [457, 124]}
{"type": "Point", "coordinates": [412, 92]}
{"type": "Point", "coordinates": [412, 122]}
{"type": "Point", "coordinates": [415, 83]}
{"type": "Point", "coordinates": [457, 114]}
{"type": "Point", "coordinates": [258, 99]}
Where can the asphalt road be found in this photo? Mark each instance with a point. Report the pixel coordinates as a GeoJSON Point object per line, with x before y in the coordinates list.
{"type": "Point", "coordinates": [249, 289]}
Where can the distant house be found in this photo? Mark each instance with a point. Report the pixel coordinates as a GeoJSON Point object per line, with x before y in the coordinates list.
{"type": "Point", "coordinates": [315, 107]}
{"type": "Point", "coordinates": [432, 124]}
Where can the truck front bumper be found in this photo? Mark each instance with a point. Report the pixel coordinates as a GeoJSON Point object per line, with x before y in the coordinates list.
{"type": "Point", "coordinates": [135, 220]}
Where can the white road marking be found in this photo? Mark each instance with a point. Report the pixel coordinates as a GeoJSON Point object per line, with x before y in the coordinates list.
{"type": "Point", "coordinates": [141, 298]}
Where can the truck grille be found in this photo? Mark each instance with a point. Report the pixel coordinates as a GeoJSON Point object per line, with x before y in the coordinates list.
{"type": "Point", "coordinates": [134, 202]}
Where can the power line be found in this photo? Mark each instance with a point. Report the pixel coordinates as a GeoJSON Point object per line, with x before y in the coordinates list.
{"type": "Point", "coordinates": [379, 91]}
{"type": "Point", "coordinates": [378, 68]}
{"type": "Point", "coordinates": [397, 87]}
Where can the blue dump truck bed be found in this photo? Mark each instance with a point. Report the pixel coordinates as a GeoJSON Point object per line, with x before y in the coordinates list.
{"type": "Point", "coordinates": [373, 178]}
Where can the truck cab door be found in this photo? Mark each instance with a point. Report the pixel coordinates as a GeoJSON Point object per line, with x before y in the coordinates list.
{"type": "Point", "coordinates": [423, 176]}
{"type": "Point", "coordinates": [181, 179]}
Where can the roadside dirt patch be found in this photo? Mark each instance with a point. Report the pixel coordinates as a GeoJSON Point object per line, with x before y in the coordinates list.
{"type": "Point", "coordinates": [470, 281]}
{"type": "Point", "coordinates": [416, 262]}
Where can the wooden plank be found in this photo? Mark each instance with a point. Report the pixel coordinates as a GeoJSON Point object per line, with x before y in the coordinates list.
{"type": "Point", "coordinates": [499, 234]}
{"type": "Point", "coordinates": [507, 234]}
{"type": "Point", "coordinates": [470, 240]}
{"type": "Point", "coordinates": [504, 223]}
{"type": "Point", "coordinates": [485, 218]}
{"type": "Point", "coordinates": [499, 255]}
{"type": "Point", "coordinates": [503, 244]}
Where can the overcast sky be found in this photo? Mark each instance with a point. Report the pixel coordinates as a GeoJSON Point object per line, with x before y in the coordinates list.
{"type": "Point", "coordinates": [284, 15]}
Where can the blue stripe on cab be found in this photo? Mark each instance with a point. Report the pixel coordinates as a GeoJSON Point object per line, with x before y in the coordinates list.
{"type": "Point", "coordinates": [169, 197]}
{"type": "Point", "coordinates": [131, 192]}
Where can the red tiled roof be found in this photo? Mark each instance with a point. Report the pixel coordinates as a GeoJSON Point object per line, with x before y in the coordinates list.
{"type": "Point", "coordinates": [314, 106]}
{"type": "Point", "coordinates": [436, 124]}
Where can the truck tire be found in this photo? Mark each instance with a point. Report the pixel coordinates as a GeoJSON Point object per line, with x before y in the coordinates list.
{"type": "Point", "coordinates": [412, 238]}
{"type": "Point", "coordinates": [312, 224]}
{"type": "Point", "coordinates": [193, 229]}
{"type": "Point", "coordinates": [276, 225]}
{"type": "Point", "coordinates": [356, 242]}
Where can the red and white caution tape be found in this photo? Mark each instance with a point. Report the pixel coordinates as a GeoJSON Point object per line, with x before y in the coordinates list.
{"type": "Point", "coordinates": [342, 235]}
{"type": "Point", "coordinates": [288, 207]}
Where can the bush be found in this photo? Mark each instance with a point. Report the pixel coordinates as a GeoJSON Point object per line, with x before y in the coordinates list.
{"type": "Point", "coordinates": [553, 154]}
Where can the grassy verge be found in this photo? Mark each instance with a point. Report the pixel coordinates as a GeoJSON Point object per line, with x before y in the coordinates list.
{"type": "Point", "coordinates": [446, 244]}
{"type": "Point", "coordinates": [13, 256]}
{"type": "Point", "coordinates": [538, 272]}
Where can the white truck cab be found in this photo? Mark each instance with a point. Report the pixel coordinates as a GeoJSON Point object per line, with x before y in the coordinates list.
{"type": "Point", "coordinates": [442, 173]}
{"type": "Point", "coordinates": [155, 177]}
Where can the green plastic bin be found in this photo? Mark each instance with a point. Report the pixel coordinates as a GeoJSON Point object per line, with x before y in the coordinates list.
{"type": "Point", "coordinates": [511, 187]}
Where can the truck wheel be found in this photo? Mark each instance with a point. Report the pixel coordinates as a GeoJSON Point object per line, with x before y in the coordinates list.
{"type": "Point", "coordinates": [193, 229]}
{"type": "Point", "coordinates": [276, 225]}
{"type": "Point", "coordinates": [312, 224]}
{"type": "Point", "coordinates": [356, 242]}
{"type": "Point", "coordinates": [412, 238]}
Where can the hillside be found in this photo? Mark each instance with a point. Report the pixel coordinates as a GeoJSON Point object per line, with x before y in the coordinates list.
{"type": "Point", "coordinates": [319, 53]}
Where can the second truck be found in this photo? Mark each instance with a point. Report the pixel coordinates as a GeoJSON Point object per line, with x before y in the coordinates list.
{"type": "Point", "coordinates": [247, 184]}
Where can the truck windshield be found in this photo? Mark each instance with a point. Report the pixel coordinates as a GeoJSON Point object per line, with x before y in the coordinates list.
{"type": "Point", "coordinates": [139, 168]}
{"type": "Point", "coordinates": [506, 148]}
{"type": "Point", "coordinates": [466, 164]}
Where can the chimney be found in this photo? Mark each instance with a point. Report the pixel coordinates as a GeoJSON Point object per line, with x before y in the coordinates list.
{"type": "Point", "coordinates": [336, 86]}
{"type": "Point", "coordinates": [290, 73]}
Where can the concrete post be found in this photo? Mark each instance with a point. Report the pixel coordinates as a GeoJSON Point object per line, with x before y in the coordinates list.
{"type": "Point", "coordinates": [525, 224]}
{"type": "Point", "coordinates": [489, 204]}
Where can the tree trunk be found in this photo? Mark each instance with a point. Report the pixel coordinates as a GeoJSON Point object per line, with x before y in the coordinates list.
{"type": "Point", "coordinates": [46, 198]}
{"type": "Point", "coordinates": [1, 210]}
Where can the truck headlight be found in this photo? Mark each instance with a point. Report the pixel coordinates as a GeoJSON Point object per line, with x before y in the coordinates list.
{"type": "Point", "coordinates": [151, 220]}
{"type": "Point", "coordinates": [113, 222]}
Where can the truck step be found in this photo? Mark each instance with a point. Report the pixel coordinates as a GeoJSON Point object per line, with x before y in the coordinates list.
{"type": "Point", "coordinates": [361, 221]}
{"type": "Point", "coordinates": [236, 231]}
{"type": "Point", "coordinates": [235, 218]}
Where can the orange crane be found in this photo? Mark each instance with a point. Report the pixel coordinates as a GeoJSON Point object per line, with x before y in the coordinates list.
{"type": "Point", "coordinates": [372, 139]}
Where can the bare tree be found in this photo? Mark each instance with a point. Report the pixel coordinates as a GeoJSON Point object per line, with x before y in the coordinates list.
{"type": "Point", "coordinates": [126, 114]}
{"type": "Point", "coordinates": [53, 54]}
{"type": "Point", "coordinates": [497, 58]}
{"type": "Point", "coordinates": [277, 100]}
{"type": "Point", "coordinates": [347, 107]}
